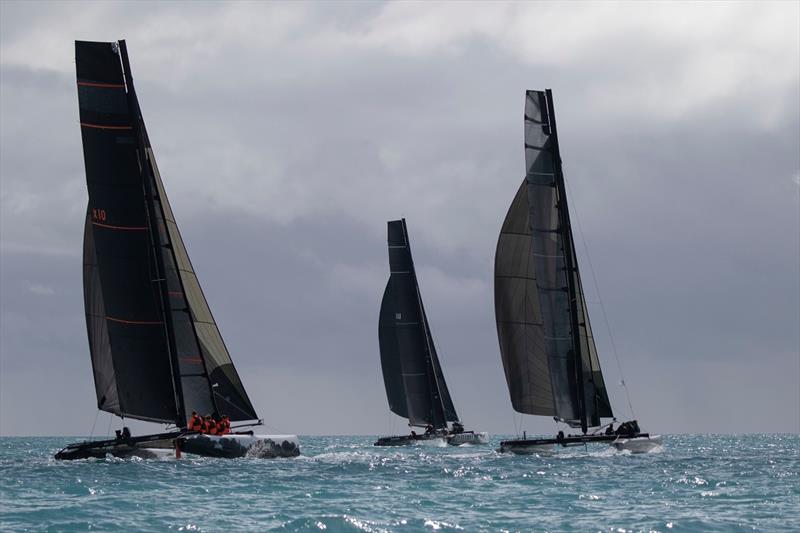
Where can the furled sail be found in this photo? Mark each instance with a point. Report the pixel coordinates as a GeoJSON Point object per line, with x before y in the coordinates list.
{"type": "Point", "coordinates": [546, 342]}
{"type": "Point", "coordinates": [156, 350]}
{"type": "Point", "coordinates": [415, 385]}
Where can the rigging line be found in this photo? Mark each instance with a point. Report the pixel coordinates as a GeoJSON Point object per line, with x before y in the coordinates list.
{"type": "Point", "coordinates": [91, 435]}
{"type": "Point", "coordinates": [261, 421]}
{"type": "Point", "coordinates": [600, 301]}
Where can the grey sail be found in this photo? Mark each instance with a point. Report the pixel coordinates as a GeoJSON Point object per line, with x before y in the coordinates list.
{"type": "Point", "coordinates": [156, 350]}
{"type": "Point", "coordinates": [542, 320]}
{"type": "Point", "coordinates": [519, 320]}
{"type": "Point", "coordinates": [415, 385]}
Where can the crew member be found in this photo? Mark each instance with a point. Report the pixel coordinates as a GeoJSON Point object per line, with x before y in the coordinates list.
{"type": "Point", "coordinates": [224, 425]}
{"type": "Point", "coordinates": [211, 425]}
{"type": "Point", "coordinates": [194, 422]}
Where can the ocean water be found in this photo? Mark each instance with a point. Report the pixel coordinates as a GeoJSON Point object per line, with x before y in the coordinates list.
{"type": "Point", "coordinates": [696, 483]}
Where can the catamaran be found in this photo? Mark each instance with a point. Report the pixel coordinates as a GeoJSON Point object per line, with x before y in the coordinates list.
{"type": "Point", "coordinates": [415, 385]}
{"type": "Point", "coordinates": [156, 351]}
{"type": "Point", "coordinates": [546, 343]}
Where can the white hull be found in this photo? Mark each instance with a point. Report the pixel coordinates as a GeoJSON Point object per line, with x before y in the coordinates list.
{"type": "Point", "coordinates": [471, 437]}
{"type": "Point", "coordinates": [638, 444]}
{"type": "Point", "coordinates": [241, 445]}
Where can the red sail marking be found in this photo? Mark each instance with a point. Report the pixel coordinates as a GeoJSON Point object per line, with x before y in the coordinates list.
{"type": "Point", "coordinates": [134, 322]}
{"type": "Point", "coordinates": [195, 359]}
{"type": "Point", "coordinates": [175, 293]}
{"type": "Point", "coordinates": [105, 127]}
{"type": "Point", "coordinates": [104, 85]}
{"type": "Point", "coordinates": [122, 228]}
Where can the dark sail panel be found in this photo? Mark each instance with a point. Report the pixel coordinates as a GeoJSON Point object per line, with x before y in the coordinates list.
{"type": "Point", "coordinates": [105, 380]}
{"type": "Point", "coordinates": [130, 342]}
{"type": "Point", "coordinates": [207, 370]}
{"type": "Point", "coordinates": [519, 321]}
{"type": "Point", "coordinates": [390, 356]}
{"type": "Point", "coordinates": [408, 356]}
{"type": "Point", "coordinates": [567, 338]}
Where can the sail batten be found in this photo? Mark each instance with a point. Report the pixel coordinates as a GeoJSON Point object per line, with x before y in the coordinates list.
{"type": "Point", "coordinates": [414, 381]}
{"type": "Point", "coordinates": [545, 338]}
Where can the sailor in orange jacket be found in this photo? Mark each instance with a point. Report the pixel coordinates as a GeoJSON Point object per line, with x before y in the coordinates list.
{"type": "Point", "coordinates": [224, 425]}
{"type": "Point", "coordinates": [211, 425]}
{"type": "Point", "coordinates": [194, 422]}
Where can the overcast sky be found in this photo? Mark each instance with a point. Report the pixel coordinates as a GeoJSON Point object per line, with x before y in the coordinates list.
{"type": "Point", "coordinates": [287, 134]}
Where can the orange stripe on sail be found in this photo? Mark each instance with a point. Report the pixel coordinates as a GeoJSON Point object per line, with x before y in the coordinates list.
{"type": "Point", "coordinates": [105, 127]}
{"type": "Point", "coordinates": [104, 85]}
{"type": "Point", "coordinates": [135, 322]}
{"type": "Point", "coordinates": [195, 360]}
{"type": "Point", "coordinates": [123, 228]}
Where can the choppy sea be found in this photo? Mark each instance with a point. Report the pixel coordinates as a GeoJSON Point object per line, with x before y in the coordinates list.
{"type": "Point", "coordinates": [695, 483]}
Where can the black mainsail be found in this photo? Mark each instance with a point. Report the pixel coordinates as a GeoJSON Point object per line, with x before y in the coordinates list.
{"type": "Point", "coordinates": [156, 350]}
{"type": "Point", "coordinates": [415, 385]}
{"type": "Point", "coordinates": [546, 341]}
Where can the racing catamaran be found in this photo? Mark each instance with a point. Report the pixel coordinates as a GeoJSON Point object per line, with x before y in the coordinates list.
{"type": "Point", "coordinates": [415, 385]}
{"type": "Point", "coordinates": [546, 343]}
{"type": "Point", "coordinates": [156, 351]}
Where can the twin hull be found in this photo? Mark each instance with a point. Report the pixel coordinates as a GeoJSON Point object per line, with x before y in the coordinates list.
{"type": "Point", "coordinates": [453, 439]}
{"type": "Point", "coordinates": [642, 443]}
{"type": "Point", "coordinates": [155, 446]}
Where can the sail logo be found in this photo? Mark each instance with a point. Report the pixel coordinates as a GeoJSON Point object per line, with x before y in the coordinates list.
{"type": "Point", "coordinates": [98, 215]}
{"type": "Point", "coordinates": [398, 316]}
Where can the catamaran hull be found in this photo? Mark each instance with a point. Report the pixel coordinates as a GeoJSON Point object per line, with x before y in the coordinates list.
{"type": "Point", "coordinates": [167, 445]}
{"type": "Point", "coordinates": [147, 447]}
{"type": "Point", "coordinates": [408, 440]}
{"type": "Point", "coordinates": [638, 444]}
{"type": "Point", "coordinates": [453, 439]}
{"type": "Point", "coordinates": [232, 446]}
{"type": "Point", "coordinates": [524, 447]}
{"type": "Point", "coordinates": [468, 437]}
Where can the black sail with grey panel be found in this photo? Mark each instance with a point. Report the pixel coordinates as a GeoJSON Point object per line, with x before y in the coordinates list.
{"type": "Point", "coordinates": [415, 385]}
{"type": "Point", "coordinates": [546, 340]}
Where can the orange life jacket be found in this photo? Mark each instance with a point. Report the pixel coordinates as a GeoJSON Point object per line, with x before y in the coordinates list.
{"type": "Point", "coordinates": [194, 423]}
{"type": "Point", "coordinates": [212, 427]}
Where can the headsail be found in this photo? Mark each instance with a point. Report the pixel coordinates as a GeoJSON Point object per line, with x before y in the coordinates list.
{"type": "Point", "coordinates": [156, 350]}
{"type": "Point", "coordinates": [415, 385]}
{"type": "Point", "coordinates": [542, 321]}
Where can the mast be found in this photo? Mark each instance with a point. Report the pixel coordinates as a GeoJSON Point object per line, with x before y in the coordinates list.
{"type": "Point", "coordinates": [149, 193]}
{"type": "Point", "coordinates": [571, 265]}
